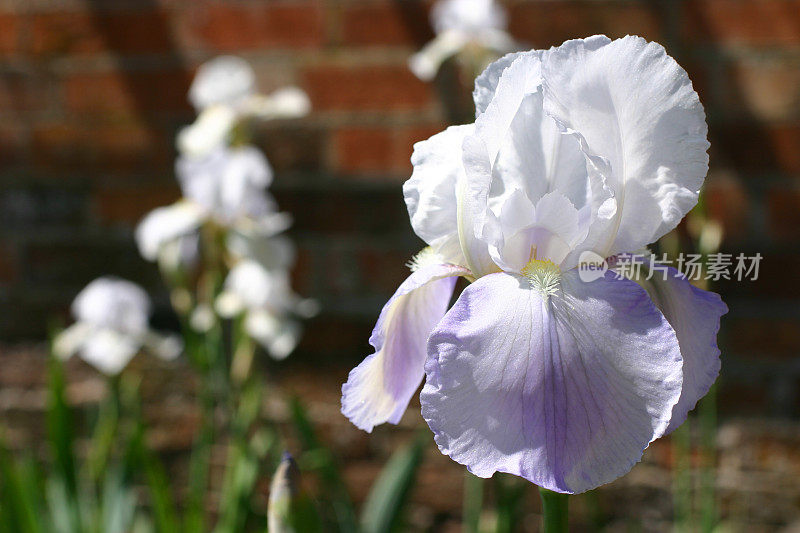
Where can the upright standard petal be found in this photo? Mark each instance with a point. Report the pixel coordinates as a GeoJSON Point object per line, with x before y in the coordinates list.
{"type": "Point", "coordinates": [695, 315]}
{"type": "Point", "coordinates": [430, 192]}
{"type": "Point", "coordinates": [225, 80]}
{"type": "Point", "coordinates": [486, 83]}
{"type": "Point", "coordinates": [563, 384]}
{"type": "Point", "coordinates": [636, 114]}
{"type": "Point", "coordinates": [379, 389]}
{"type": "Point", "coordinates": [116, 304]}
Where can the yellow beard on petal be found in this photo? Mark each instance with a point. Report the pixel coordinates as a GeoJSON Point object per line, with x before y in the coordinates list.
{"type": "Point", "coordinates": [543, 275]}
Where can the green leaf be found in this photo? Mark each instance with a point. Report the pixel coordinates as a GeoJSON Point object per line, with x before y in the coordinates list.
{"type": "Point", "coordinates": [510, 494]}
{"type": "Point", "coordinates": [473, 502]}
{"type": "Point", "coordinates": [326, 468]}
{"type": "Point", "coordinates": [244, 458]}
{"type": "Point", "coordinates": [20, 495]}
{"type": "Point", "coordinates": [59, 426]}
{"type": "Point", "coordinates": [118, 503]}
{"type": "Point", "coordinates": [165, 516]}
{"type": "Point", "coordinates": [383, 510]}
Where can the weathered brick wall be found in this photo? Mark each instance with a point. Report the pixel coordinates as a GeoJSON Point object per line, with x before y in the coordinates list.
{"type": "Point", "coordinates": [92, 93]}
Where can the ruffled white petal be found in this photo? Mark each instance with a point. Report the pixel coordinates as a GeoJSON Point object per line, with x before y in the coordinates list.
{"type": "Point", "coordinates": [486, 83]}
{"type": "Point", "coordinates": [430, 192]}
{"type": "Point", "coordinates": [636, 114]}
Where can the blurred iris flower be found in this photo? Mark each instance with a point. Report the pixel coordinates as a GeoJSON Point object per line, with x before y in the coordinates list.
{"type": "Point", "coordinates": [265, 299]}
{"type": "Point", "coordinates": [594, 147]}
{"type": "Point", "coordinates": [226, 187]}
{"type": "Point", "coordinates": [112, 326]}
{"type": "Point", "coordinates": [224, 93]}
{"type": "Point", "coordinates": [225, 201]}
{"type": "Point", "coordinates": [459, 25]}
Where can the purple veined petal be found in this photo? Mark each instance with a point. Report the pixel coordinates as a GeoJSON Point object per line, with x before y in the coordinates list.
{"type": "Point", "coordinates": [379, 389]}
{"type": "Point", "coordinates": [695, 315]}
{"type": "Point", "coordinates": [565, 390]}
{"type": "Point", "coordinates": [636, 114]}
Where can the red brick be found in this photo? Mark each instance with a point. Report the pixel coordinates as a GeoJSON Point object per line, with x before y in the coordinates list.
{"type": "Point", "coordinates": [259, 25]}
{"type": "Point", "coordinates": [23, 91]}
{"type": "Point", "coordinates": [766, 89]}
{"type": "Point", "coordinates": [83, 32]}
{"type": "Point", "coordinates": [366, 88]}
{"type": "Point", "coordinates": [545, 24]}
{"type": "Point", "coordinates": [783, 213]}
{"type": "Point", "coordinates": [727, 202]}
{"type": "Point", "coordinates": [130, 93]}
{"type": "Point", "coordinates": [755, 147]}
{"type": "Point", "coordinates": [379, 150]}
{"type": "Point", "coordinates": [365, 149]}
{"type": "Point", "coordinates": [9, 33]}
{"type": "Point", "coordinates": [750, 22]}
{"type": "Point", "coordinates": [130, 204]}
{"type": "Point", "coordinates": [13, 144]}
{"type": "Point", "coordinates": [398, 23]}
{"type": "Point", "coordinates": [105, 147]}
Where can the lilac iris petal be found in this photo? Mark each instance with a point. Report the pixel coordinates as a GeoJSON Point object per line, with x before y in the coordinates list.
{"type": "Point", "coordinates": [695, 315]}
{"type": "Point", "coordinates": [565, 390]}
{"type": "Point", "coordinates": [379, 389]}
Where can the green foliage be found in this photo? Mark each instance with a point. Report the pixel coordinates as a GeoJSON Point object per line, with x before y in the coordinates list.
{"type": "Point", "coordinates": [383, 510]}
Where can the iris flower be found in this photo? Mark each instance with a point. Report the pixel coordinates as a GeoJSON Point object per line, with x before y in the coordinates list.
{"type": "Point", "coordinates": [226, 187]}
{"type": "Point", "coordinates": [594, 147]}
{"type": "Point", "coordinates": [112, 326]}
{"type": "Point", "coordinates": [264, 297]}
{"type": "Point", "coordinates": [223, 93]}
{"type": "Point", "coordinates": [459, 24]}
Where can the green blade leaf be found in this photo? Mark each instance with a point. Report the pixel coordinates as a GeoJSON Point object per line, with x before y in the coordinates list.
{"type": "Point", "coordinates": [325, 466]}
{"type": "Point", "coordinates": [383, 510]}
{"type": "Point", "coordinates": [59, 427]}
{"type": "Point", "coordinates": [165, 516]}
{"type": "Point", "coordinates": [20, 496]}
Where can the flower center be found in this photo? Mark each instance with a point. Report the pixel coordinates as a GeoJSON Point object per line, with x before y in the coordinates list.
{"type": "Point", "coordinates": [543, 275]}
{"type": "Point", "coordinates": [427, 256]}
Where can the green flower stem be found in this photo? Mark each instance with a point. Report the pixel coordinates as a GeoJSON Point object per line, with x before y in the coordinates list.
{"type": "Point", "coordinates": [554, 511]}
{"type": "Point", "coordinates": [473, 502]}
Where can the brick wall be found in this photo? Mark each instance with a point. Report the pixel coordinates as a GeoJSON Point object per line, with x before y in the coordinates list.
{"type": "Point", "coordinates": [92, 93]}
